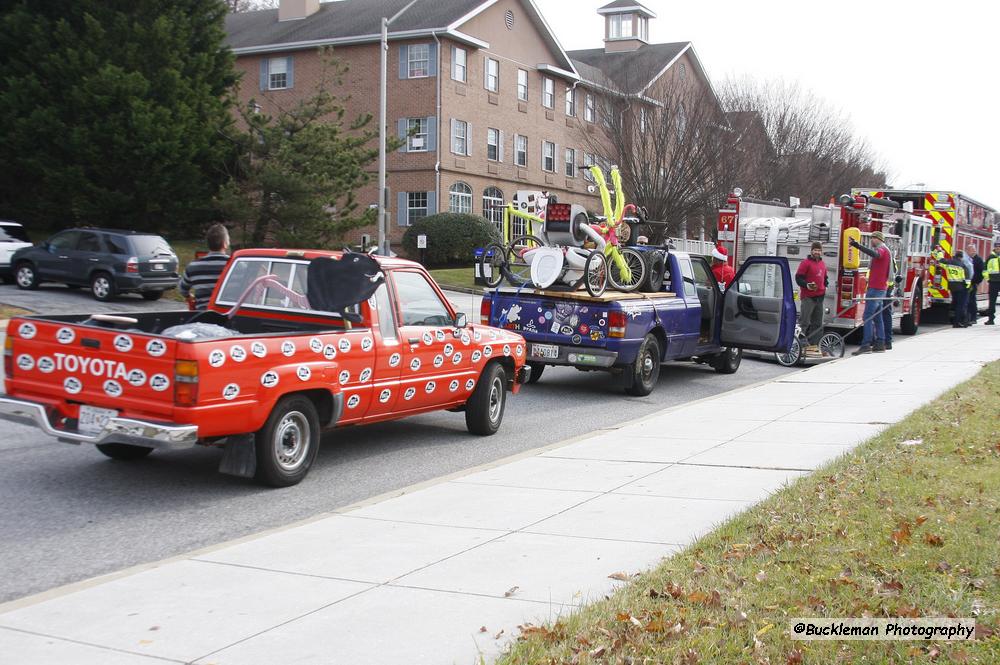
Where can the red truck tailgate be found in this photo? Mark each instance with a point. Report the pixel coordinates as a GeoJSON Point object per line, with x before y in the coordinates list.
{"type": "Point", "coordinates": [114, 369]}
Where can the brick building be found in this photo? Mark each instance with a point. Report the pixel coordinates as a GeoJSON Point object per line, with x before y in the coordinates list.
{"type": "Point", "coordinates": [495, 102]}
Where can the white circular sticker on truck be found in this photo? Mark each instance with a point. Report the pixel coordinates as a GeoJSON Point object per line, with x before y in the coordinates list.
{"type": "Point", "coordinates": [410, 393]}
{"type": "Point", "coordinates": [344, 377]}
{"type": "Point", "coordinates": [488, 351]}
{"type": "Point", "coordinates": [478, 335]}
{"type": "Point", "coordinates": [288, 348]}
{"type": "Point", "coordinates": [27, 330]}
{"type": "Point", "coordinates": [65, 335]}
{"type": "Point", "coordinates": [466, 340]}
{"type": "Point", "coordinates": [316, 345]}
{"type": "Point", "coordinates": [519, 350]}
{"type": "Point", "coordinates": [429, 388]}
{"type": "Point", "coordinates": [428, 338]}
{"type": "Point", "coordinates": [470, 384]}
{"type": "Point", "coordinates": [304, 373]}
{"type": "Point", "coordinates": [457, 358]}
{"type": "Point", "coordinates": [123, 343]}
{"type": "Point", "coordinates": [353, 401]}
{"type": "Point", "coordinates": [438, 360]}
{"type": "Point", "coordinates": [112, 388]}
{"type": "Point", "coordinates": [477, 355]}
{"type": "Point", "coordinates": [269, 379]}
{"type": "Point", "coordinates": [506, 349]}
{"type": "Point", "coordinates": [231, 391]}
{"type": "Point", "coordinates": [453, 386]}
{"type": "Point", "coordinates": [367, 343]}
{"type": "Point", "coordinates": [344, 345]}
{"type": "Point", "coordinates": [156, 347]}
{"type": "Point", "coordinates": [25, 362]}
{"type": "Point", "coordinates": [137, 377]}
{"type": "Point", "coordinates": [329, 352]}
{"type": "Point", "coordinates": [449, 349]}
{"type": "Point", "coordinates": [159, 382]}
{"type": "Point", "coordinates": [46, 365]}
{"type": "Point", "coordinates": [237, 353]}
{"type": "Point", "coordinates": [415, 364]}
{"type": "Point", "coordinates": [366, 374]}
{"type": "Point", "coordinates": [217, 358]}
{"type": "Point", "coordinates": [72, 385]}
{"type": "Point", "coordinates": [384, 396]}
{"type": "Point", "coordinates": [394, 359]}
{"type": "Point", "coordinates": [258, 349]}
{"type": "Point", "coordinates": [439, 334]}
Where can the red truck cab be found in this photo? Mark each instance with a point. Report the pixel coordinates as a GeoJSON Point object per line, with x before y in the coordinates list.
{"type": "Point", "coordinates": [263, 371]}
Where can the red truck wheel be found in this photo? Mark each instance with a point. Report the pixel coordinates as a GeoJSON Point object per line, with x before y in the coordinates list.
{"type": "Point", "coordinates": [287, 444]}
{"type": "Point", "coordinates": [484, 410]}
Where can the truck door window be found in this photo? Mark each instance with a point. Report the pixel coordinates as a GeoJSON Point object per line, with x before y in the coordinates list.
{"type": "Point", "coordinates": [274, 297]}
{"type": "Point", "coordinates": [688, 273]}
{"type": "Point", "coordinates": [763, 280]}
{"type": "Point", "coordinates": [386, 318]}
{"type": "Point", "coordinates": [243, 273]}
{"type": "Point", "coordinates": [419, 304]}
{"type": "Point", "coordinates": [702, 275]}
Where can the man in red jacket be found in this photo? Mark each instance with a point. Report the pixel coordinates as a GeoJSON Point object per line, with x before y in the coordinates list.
{"type": "Point", "coordinates": [724, 273]}
{"type": "Point", "coordinates": [812, 280]}
{"type": "Point", "coordinates": [873, 338]}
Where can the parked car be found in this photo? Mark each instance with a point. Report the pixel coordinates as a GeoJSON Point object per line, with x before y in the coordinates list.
{"type": "Point", "coordinates": [108, 261]}
{"type": "Point", "coordinates": [12, 238]}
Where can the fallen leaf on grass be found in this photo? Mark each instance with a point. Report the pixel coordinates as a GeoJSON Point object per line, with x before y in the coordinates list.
{"type": "Point", "coordinates": [890, 588]}
{"type": "Point", "coordinates": [510, 592]}
{"type": "Point", "coordinates": [764, 631]}
{"type": "Point", "coordinates": [598, 652]}
{"type": "Point", "coordinates": [621, 577]}
{"type": "Point", "coordinates": [760, 576]}
{"type": "Point", "coordinates": [794, 657]}
{"type": "Point", "coordinates": [933, 540]}
{"type": "Point", "coordinates": [689, 657]}
{"type": "Point", "coordinates": [901, 536]}
{"type": "Point", "coordinates": [699, 568]}
{"type": "Point", "coordinates": [943, 567]}
{"type": "Point", "coordinates": [921, 519]}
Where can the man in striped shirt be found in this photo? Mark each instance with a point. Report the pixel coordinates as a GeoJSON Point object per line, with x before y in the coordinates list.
{"type": "Point", "coordinates": [200, 276]}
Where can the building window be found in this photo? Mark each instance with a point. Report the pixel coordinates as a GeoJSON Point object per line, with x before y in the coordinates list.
{"type": "Point", "coordinates": [492, 75]}
{"type": "Point", "coordinates": [522, 85]}
{"type": "Point", "coordinates": [570, 101]}
{"type": "Point", "coordinates": [520, 150]}
{"type": "Point", "coordinates": [548, 93]}
{"type": "Point", "coordinates": [418, 60]}
{"type": "Point", "coordinates": [460, 137]}
{"type": "Point", "coordinates": [642, 118]}
{"type": "Point", "coordinates": [682, 122]}
{"type": "Point", "coordinates": [460, 198]}
{"type": "Point", "coordinates": [277, 73]}
{"type": "Point", "coordinates": [459, 60]}
{"type": "Point", "coordinates": [493, 206]}
{"type": "Point", "coordinates": [548, 156]}
{"type": "Point", "coordinates": [644, 28]}
{"type": "Point", "coordinates": [620, 26]}
{"type": "Point", "coordinates": [570, 163]}
{"type": "Point", "coordinates": [590, 111]}
{"type": "Point", "coordinates": [683, 70]}
{"type": "Point", "coordinates": [416, 140]}
{"type": "Point", "coordinates": [493, 141]}
{"type": "Point", "coordinates": [588, 161]}
{"type": "Point", "coordinates": [416, 206]}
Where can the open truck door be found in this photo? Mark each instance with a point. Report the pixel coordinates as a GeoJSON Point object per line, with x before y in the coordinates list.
{"type": "Point", "coordinates": [758, 311]}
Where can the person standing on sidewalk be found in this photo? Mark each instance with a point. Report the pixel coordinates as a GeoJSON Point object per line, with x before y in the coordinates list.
{"type": "Point", "coordinates": [891, 290]}
{"type": "Point", "coordinates": [873, 337]}
{"type": "Point", "coordinates": [959, 277]}
{"type": "Point", "coordinates": [200, 276]}
{"type": "Point", "coordinates": [812, 280]}
{"type": "Point", "coordinates": [977, 278]}
{"type": "Point", "coordinates": [991, 273]}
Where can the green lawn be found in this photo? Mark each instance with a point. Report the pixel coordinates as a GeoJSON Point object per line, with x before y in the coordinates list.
{"type": "Point", "coordinates": [461, 277]}
{"type": "Point", "coordinates": [185, 254]}
{"type": "Point", "coordinates": [891, 530]}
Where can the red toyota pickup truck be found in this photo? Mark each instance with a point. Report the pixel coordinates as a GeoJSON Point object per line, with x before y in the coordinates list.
{"type": "Point", "coordinates": [293, 343]}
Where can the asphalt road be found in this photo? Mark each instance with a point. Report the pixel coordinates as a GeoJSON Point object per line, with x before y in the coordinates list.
{"type": "Point", "coordinates": [69, 513]}
{"type": "Point", "coordinates": [58, 299]}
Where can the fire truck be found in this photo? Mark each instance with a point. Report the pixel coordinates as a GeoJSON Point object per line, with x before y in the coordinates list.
{"type": "Point", "coordinates": [958, 222]}
{"type": "Point", "coordinates": [749, 227]}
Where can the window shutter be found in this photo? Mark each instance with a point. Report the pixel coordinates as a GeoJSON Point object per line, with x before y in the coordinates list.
{"type": "Point", "coordinates": [401, 209]}
{"type": "Point", "coordinates": [432, 60]}
{"type": "Point", "coordinates": [404, 62]}
{"type": "Point", "coordinates": [452, 135]}
{"type": "Point", "coordinates": [291, 72]}
{"type": "Point", "coordinates": [263, 73]}
{"type": "Point", "coordinates": [432, 203]}
{"type": "Point", "coordinates": [402, 129]}
{"type": "Point", "coordinates": [432, 133]}
{"type": "Point", "coordinates": [486, 72]}
{"type": "Point", "coordinates": [468, 139]}
{"type": "Point", "coordinates": [501, 146]}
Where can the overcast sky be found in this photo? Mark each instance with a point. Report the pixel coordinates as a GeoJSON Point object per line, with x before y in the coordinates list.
{"type": "Point", "coordinates": [920, 80]}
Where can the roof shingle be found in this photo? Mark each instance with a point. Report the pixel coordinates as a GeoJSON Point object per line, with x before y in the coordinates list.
{"type": "Point", "coordinates": [629, 71]}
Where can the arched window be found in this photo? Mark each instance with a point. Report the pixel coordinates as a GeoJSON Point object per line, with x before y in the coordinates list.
{"type": "Point", "coordinates": [493, 206]}
{"type": "Point", "coordinates": [682, 122]}
{"type": "Point", "coordinates": [460, 199]}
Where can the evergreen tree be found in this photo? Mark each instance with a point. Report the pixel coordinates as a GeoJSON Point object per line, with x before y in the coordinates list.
{"type": "Point", "coordinates": [113, 111]}
{"type": "Point", "coordinates": [299, 169]}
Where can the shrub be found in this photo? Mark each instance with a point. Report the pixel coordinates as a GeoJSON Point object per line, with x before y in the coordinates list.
{"type": "Point", "coordinates": [451, 237]}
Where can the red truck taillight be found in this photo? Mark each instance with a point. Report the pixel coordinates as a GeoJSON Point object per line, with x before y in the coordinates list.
{"type": "Point", "coordinates": [8, 356]}
{"type": "Point", "coordinates": [485, 307]}
{"type": "Point", "coordinates": [185, 383]}
{"type": "Point", "coordinates": [616, 324]}
{"type": "Point", "coordinates": [132, 265]}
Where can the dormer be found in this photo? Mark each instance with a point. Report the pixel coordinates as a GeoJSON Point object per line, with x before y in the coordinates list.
{"type": "Point", "coordinates": [626, 25]}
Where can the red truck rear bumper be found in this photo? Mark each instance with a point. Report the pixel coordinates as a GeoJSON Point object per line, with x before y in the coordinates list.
{"type": "Point", "coordinates": [118, 430]}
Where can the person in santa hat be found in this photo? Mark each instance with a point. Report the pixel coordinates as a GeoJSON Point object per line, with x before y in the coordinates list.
{"type": "Point", "coordinates": [724, 273]}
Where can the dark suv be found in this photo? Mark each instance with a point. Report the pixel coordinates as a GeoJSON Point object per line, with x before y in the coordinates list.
{"type": "Point", "coordinates": [109, 261]}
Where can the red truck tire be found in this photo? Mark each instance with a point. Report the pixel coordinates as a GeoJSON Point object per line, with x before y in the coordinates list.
{"type": "Point", "coordinates": [287, 444]}
{"type": "Point", "coordinates": [484, 409]}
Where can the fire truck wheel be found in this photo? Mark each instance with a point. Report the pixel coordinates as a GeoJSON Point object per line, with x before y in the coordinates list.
{"type": "Point", "coordinates": [123, 451]}
{"type": "Point", "coordinates": [287, 444]}
{"type": "Point", "coordinates": [642, 376]}
{"type": "Point", "coordinates": [728, 360]}
{"type": "Point", "coordinates": [910, 322]}
{"type": "Point", "coordinates": [536, 372]}
{"type": "Point", "coordinates": [484, 409]}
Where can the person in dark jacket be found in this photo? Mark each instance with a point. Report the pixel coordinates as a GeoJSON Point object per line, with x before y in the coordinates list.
{"type": "Point", "coordinates": [977, 278]}
{"type": "Point", "coordinates": [812, 280]}
{"type": "Point", "coordinates": [200, 276]}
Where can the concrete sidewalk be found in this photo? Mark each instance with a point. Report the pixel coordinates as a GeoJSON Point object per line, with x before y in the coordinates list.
{"type": "Point", "coordinates": [445, 573]}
